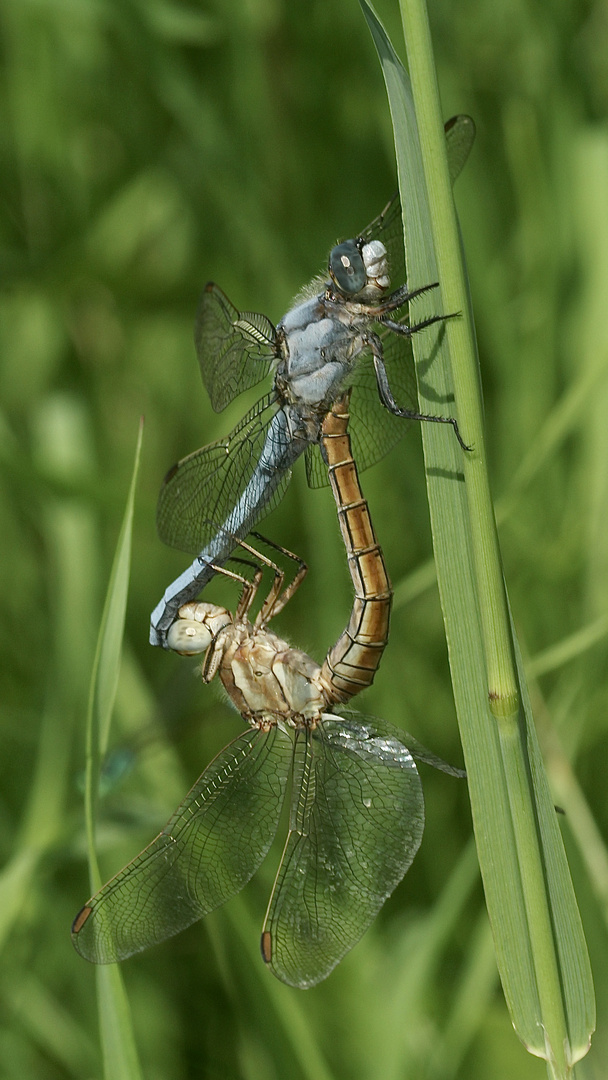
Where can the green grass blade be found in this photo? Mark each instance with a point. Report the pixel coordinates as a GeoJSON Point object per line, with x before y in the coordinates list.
{"type": "Point", "coordinates": [540, 947]}
{"type": "Point", "coordinates": [120, 1059]}
{"type": "Point", "coordinates": [106, 667]}
{"type": "Point", "coordinates": [118, 1042]}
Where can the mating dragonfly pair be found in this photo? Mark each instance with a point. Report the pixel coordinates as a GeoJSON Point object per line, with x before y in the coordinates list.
{"type": "Point", "coordinates": [357, 811]}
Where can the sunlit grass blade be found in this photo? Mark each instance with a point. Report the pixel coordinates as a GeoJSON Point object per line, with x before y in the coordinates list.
{"type": "Point", "coordinates": [118, 1042]}
{"type": "Point", "coordinates": [540, 947]}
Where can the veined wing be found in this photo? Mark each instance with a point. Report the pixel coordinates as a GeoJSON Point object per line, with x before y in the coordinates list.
{"type": "Point", "coordinates": [416, 749]}
{"type": "Point", "coordinates": [388, 226]}
{"type": "Point", "coordinates": [235, 349]}
{"type": "Point", "coordinates": [206, 853]}
{"type": "Point", "coordinates": [357, 817]}
{"type": "Point", "coordinates": [459, 136]}
{"type": "Point", "coordinates": [200, 493]}
{"type": "Point", "coordinates": [373, 430]}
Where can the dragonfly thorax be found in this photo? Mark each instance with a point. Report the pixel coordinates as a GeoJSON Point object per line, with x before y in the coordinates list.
{"type": "Point", "coordinates": [318, 353]}
{"type": "Point", "coordinates": [268, 681]}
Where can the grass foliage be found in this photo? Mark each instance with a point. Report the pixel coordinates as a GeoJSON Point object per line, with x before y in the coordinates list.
{"type": "Point", "coordinates": [149, 147]}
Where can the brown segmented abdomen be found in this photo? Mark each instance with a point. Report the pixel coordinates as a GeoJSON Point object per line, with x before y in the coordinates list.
{"type": "Point", "coordinates": [351, 664]}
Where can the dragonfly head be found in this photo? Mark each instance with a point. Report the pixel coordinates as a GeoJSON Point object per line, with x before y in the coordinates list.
{"type": "Point", "coordinates": [196, 627]}
{"type": "Point", "coordinates": [359, 269]}
{"type": "Point", "coordinates": [346, 268]}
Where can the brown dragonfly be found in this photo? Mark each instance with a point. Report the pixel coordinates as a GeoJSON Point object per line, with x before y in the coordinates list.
{"type": "Point", "coordinates": [356, 810]}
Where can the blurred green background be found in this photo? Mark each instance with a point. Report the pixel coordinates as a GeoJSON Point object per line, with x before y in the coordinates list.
{"type": "Point", "coordinates": [147, 147]}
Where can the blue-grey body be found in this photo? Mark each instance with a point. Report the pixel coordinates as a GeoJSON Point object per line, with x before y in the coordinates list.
{"type": "Point", "coordinates": [280, 452]}
{"type": "Point", "coordinates": [346, 329]}
{"type": "Point", "coordinates": [318, 348]}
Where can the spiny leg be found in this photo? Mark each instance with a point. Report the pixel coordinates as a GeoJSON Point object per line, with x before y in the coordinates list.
{"type": "Point", "coordinates": [250, 588]}
{"type": "Point", "coordinates": [385, 392]}
{"type": "Point", "coordinates": [268, 607]}
{"type": "Point", "coordinates": [277, 595]}
{"type": "Point", "coordinates": [296, 581]}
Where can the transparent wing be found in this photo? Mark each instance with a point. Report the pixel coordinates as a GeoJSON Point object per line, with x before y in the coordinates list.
{"type": "Point", "coordinates": [459, 136]}
{"type": "Point", "coordinates": [206, 853]}
{"type": "Point", "coordinates": [388, 227]}
{"type": "Point", "coordinates": [235, 349]}
{"type": "Point", "coordinates": [356, 822]}
{"type": "Point", "coordinates": [200, 493]}
{"type": "Point", "coordinates": [417, 750]}
{"type": "Point", "coordinates": [374, 431]}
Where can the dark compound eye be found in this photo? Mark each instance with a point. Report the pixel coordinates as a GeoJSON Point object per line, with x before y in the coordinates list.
{"type": "Point", "coordinates": [347, 268]}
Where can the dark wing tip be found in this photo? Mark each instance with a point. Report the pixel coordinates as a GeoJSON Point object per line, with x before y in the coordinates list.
{"type": "Point", "coordinates": [81, 919]}
{"type": "Point", "coordinates": [170, 474]}
{"type": "Point", "coordinates": [266, 946]}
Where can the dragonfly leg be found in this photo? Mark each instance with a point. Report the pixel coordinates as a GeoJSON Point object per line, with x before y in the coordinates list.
{"type": "Point", "coordinates": [248, 594]}
{"type": "Point", "coordinates": [394, 301]}
{"type": "Point", "coordinates": [268, 608]}
{"type": "Point", "coordinates": [409, 329]}
{"type": "Point", "coordinates": [386, 394]}
{"type": "Point", "coordinates": [277, 596]}
{"type": "Point", "coordinates": [296, 581]}
{"type": "Point", "coordinates": [403, 296]}
{"type": "Point", "coordinates": [213, 658]}
{"type": "Point", "coordinates": [248, 588]}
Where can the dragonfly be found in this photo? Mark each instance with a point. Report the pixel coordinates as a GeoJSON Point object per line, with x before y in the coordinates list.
{"type": "Point", "coordinates": [356, 804]}
{"type": "Point", "coordinates": [346, 329]}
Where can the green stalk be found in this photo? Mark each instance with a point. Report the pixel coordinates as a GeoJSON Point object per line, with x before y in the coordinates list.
{"type": "Point", "coordinates": [503, 694]}
{"type": "Point", "coordinates": [117, 1038]}
{"type": "Point", "coordinates": [540, 946]}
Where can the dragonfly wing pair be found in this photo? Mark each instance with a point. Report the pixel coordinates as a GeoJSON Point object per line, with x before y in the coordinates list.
{"type": "Point", "coordinates": [235, 349]}
{"type": "Point", "coordinates": [356, 822]}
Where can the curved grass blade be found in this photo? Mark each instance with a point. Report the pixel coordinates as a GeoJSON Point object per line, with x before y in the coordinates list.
{"type": "Point", "coordinates": [117, 1038]}
{"type": "Point", "coordinates": [538, 936]}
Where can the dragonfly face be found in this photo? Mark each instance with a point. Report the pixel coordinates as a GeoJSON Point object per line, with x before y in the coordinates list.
{"type": "Point", "coordinates": [346, 330]}
{"type": "Point", "coordinates": [359, 268]}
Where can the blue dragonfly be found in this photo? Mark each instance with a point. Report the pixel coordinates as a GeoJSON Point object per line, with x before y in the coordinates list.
{"type": "Point", "coordinates": [347, 329]}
